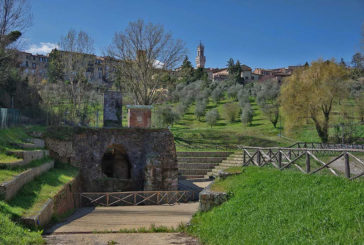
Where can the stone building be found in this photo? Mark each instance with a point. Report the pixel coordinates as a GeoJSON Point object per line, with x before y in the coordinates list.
{"type": "Point", "coordinates": [200, 58]}
{"type": "Point", "coordinates": [98, 70]}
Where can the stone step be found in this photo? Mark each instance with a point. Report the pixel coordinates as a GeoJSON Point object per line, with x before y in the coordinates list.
{"type": "Point", "coordinates": [192, 176]}
{"type": "Point", "coordinates": [200, 159]}
{"type": "Point", "coordinates": [228, 165]}
{"type": "Point", "coordinates": [32, 143]}
{"type": "Point", "coordinates": [197, 165]}
{"type": "Point", "coordinates": [204, 154]}
{"type": "Point", "coordinates": [27, 157]}
{"type": "Point", "coordinates": [9, 189]}
{"type": "Point", "coordinates": [192, 171]}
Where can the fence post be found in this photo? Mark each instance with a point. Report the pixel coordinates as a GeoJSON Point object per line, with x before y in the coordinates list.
{"type": "Point", "coordinates": [279, 158]}
{"type": "Point", "coordinates": [244, 157]}
{"type": "Point", "coordinates": [258, 157]}
{"type": "Point", "coordinates": [308, 165]}
{"type": "Point", "coordinates": [290, 154]}
{"type": "Point", "coordinates": [347, 166]}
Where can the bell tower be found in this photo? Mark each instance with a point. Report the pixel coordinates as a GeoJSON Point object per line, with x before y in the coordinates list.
{"type": "Point", "coordinates": [200, 58]}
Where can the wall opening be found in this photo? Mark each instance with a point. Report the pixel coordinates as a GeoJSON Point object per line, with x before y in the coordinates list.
{"type": "Point", "coordinates": [115, 163]}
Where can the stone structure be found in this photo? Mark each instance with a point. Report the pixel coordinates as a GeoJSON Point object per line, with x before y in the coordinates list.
{"type": "Point", "coordinates": [139, 116]}
{"type": "Point", "coordinates": [209, 199]}
{"type": "Point", "coordinates": [200, 58]}
{"type": "Point", "coordinates": [125, 159]}
{"type": "Point", "coordinates": [112, 109]}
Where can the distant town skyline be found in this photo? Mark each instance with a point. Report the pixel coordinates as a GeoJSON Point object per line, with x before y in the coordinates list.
{"type": "Point", "coordinates": [264, 33]}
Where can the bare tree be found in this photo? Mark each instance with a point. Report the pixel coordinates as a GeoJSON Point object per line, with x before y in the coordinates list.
{"type": "Point", "coordinates": [145, 52]}
{"type": "Point", "coordinates": [15, 15]}
{"type": "Point", "coordinates": [76, 60]}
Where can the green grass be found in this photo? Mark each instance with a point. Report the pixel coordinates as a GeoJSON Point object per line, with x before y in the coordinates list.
{"type": "Point", "coordinates": [9, 173]}
{"type": "Point", "coordinates": [194, 135]}
{"type": "Point", "coordinates": [34, 194]}
{"type": "Point", "coordinates": [30, 199]}
{"type": "Point", "coordinates": [13, 233]}
{"type": "Point", "coordinates": [269, 206]}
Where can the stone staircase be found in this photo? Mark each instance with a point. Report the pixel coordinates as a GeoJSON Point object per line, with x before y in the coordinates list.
{"type": "Point", "coordinates": [234, 160]}
{"type": "Point", "coordinates": [195, 165]}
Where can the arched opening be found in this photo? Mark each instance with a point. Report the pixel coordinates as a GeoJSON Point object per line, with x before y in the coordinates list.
{"type": "Point", "coordinates": [115, 163]}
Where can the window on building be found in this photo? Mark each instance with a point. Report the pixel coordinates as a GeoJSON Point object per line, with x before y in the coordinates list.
{"type": "Point", "coordinates": [100, 75]}
{"type": "Point", "coordinates": [26, 64]}
{"type": "Point", "coordinates": [34, 66]}
{"type": "Point", "coordinates": [252, 78]}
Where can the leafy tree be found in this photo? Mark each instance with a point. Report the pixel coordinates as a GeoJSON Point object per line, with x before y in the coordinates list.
{"type": "Point", "coordinates": [243, 97]}
{"type": "Point", "coordinates": [200, 109]}
{"type": "Point", "coordinates": [200, 74]}
{"type": "Point", "coordinates": [212, 116]}
{"type": "Point", "coordinates": [342, 62]}
{"type": "Point", "coordinates": [217, 94]}
{"type": "Point", "coordinates": [247, 115]}
{"type": "Point", "coordinates": [234, 70]}
{"type": "Point", "coordinates": [165, 115]}
{"type": "Point", "coordinates": [311, 93]}
{"type": "Point", "coordinates": [267, 99]}
{"type": "Point", "coordinates": [55, 66]}
{"type": "Point", "coordinates": [187, 71]}
{"type": "Point", "coordinates": [230, 111]}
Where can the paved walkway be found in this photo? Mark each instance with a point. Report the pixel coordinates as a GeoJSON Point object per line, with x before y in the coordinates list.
{"type": "Point", "coordinates": [122, 239]}
{"type": "Point", "coordinates": [126, 217]}
{"type": "Point", "coordinates": [83, 225]}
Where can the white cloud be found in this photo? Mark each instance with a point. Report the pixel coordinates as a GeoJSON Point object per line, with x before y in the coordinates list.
{"type": "Point", "coordinates": [158, 64]}
{"type": "Point", "coordinates": [42, 48]}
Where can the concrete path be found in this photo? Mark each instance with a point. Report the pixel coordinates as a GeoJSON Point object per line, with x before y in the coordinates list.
{"type": "Point", "coordinates": [126, 217]}
{"type": "Point", "coordinates": [122, 239]}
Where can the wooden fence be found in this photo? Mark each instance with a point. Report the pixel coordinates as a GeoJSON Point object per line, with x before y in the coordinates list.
{"type": "Point", "coordinates": [136, 198]}
{"type": "Point", "coordinates": [317, 145]}
{"type": "Point", "coordinates": [283, 158]}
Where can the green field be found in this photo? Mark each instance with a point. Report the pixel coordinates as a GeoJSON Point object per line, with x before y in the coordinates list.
{"type": "Point", "coordinates": [268, 206]}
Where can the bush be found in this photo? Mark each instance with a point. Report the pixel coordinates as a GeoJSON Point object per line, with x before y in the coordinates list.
{"type": "Point", "coordinates": [211, 117]}
{"type": "Point", "coordinates": [200, 109]}
{"type": "Point", "coordinates": [231, 110]}
{"type": "Point", "coordinates": [247, 115]}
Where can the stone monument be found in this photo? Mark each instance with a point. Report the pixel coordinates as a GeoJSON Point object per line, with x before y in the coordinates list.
{"type": "Point", "coordinates": [112, 109]}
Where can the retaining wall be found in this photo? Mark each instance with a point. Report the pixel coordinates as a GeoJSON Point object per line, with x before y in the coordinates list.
{"type": "Point", "coordinates": [9, 189]}
{"type": "Point", "coordinates": [65, 200]}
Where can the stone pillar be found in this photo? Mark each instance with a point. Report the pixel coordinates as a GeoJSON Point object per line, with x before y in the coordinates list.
{"type": "Point", "coordinates": [112, 109]}
{"type": "Point", "coordinates": [139, 116]}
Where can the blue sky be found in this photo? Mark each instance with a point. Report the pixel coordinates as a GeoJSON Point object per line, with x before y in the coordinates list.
{"type": "Point", "coordinates": [259, 33]}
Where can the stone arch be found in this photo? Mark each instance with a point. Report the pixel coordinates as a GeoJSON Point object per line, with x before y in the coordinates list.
{"type": "Point", "coordinates": [115, 162]}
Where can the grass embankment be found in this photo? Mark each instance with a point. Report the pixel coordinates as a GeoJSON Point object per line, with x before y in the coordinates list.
{"type": "Point", "coordinates": [269, 206]}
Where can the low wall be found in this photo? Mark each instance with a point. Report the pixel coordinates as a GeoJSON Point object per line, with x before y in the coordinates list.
{"type": "Point", "coordinates": [9, 189]}
{"type": "Point", "coordinates": [64, 201]}
{"type": "Point", "coordinates": [210, 199]}
{"type": "Point", "coordinates": [27, 156]}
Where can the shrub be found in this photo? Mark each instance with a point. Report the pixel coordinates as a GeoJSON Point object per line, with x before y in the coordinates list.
{"type": "Point", "coordinates": [231, 110]}
{"type": "Point", "coordinates": [180, 109]}
{"type": "Point", "coordinates": [212, 116]}
{"type": "Point", "coordinates": [247, 115]}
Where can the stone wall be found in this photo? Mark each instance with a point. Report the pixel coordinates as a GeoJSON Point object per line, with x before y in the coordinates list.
{"type": "Point", "coordinates": [68, 198]}
{"type": "Point", "coordinates": [150, 152]}
{"type": "Point", "coordinates": [210, 199]}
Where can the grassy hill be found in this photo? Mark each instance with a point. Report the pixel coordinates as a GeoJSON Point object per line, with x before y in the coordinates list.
{"type": "Point", "coordinates": [268, 206]}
